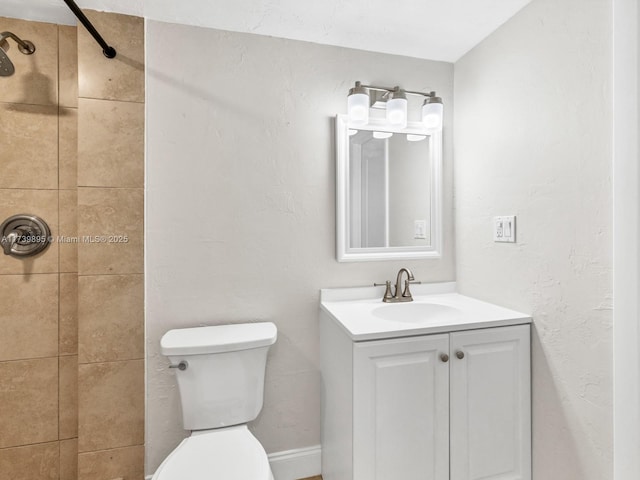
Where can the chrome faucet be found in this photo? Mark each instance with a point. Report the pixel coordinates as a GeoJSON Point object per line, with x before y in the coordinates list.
{"type": "Point", "coordinates": [401, 294]}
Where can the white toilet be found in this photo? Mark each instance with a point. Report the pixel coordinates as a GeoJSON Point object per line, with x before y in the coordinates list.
{"type": "Point", "coordinates": [220, 373]}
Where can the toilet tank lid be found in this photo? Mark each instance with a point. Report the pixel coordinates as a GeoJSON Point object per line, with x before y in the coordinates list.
{"type": "Point", "coordinates": [218, 338]}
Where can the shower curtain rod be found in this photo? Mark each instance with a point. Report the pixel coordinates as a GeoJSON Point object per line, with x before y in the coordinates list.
{"type": "Point", "coordinates": [108, 51]}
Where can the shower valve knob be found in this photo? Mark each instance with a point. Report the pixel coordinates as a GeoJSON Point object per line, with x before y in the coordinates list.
{"type": "Point", "coordinates": [24, 235]}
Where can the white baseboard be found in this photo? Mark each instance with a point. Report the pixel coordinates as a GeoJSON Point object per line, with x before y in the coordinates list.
{"type": "Point", "coordinates": [296, 464]}
{"type": "Point", "coordinates": [293, 464]}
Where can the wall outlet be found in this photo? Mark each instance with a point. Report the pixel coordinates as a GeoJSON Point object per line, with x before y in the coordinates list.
{"type": "Point", "coordinates": [504, 229]}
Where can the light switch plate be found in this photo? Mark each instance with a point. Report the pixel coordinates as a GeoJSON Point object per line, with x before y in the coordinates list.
{"type": "Point", "coordinates": [504, 229]}
{"type": "Point", "coordinates": [420, 229]}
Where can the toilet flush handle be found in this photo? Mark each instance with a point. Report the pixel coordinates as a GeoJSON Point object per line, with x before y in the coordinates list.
{"type": "Point", "coordinates": [182, 366]}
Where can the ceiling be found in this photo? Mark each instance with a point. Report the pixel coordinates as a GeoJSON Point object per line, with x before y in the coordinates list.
{"type": "Point", "coordinates": [431, 29]}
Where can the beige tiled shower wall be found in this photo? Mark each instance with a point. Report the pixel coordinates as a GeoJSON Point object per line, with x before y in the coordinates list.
{"type": "Point", "coordinates": [72, 387]}
{"type": "Point", "coordinates": [38, 299]}
{"type": "Point", "coordinates": [110, 204]}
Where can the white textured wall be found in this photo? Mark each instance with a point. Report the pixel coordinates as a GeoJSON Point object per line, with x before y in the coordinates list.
{"type": "Point", "coordinates": [626, 176]}
{"type": "Point", "coordinates": [533, 138]}
{"type": "Point", "coordinates": [240, 205]}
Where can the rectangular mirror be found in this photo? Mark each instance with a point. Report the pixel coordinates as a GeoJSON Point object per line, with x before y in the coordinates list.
{"type": "Point", "coordinates": [388, 192]}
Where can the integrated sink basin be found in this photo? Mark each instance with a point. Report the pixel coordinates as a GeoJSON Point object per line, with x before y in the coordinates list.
{"type": "Point", "coordinates": [435, 308]}
{"type": "Point", "coordinates": [415, 312]}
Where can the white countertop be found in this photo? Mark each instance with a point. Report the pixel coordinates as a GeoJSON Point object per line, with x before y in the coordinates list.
{"type": "Point", "coordinates": [436, 308]}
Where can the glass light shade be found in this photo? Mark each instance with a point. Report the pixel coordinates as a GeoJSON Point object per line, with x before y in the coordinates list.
{"type": "Point", "coordinates": [358, 108]}
{"type": "Point", "coordinates": [432, 116]}
{"type": "Point", "coordinates": [381, 135]}
{"type": "Point", "coordinates": [415, 138]}
{"type": "Point", "coordinates": [352, 132]}
{"type": "Point", "coordinates": [397, 112]}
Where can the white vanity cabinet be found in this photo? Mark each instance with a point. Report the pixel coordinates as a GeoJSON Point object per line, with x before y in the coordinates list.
{"type": "Point", "coordinates": [401, 409]}
{"type": "Point", "coordinates": [445, 406]}
{"type": "Point", "coordinates": [490, 404]}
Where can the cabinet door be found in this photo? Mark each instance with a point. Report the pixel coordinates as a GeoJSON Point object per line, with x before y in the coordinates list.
{"type": "Point", "coordinates": [401, 409]}
{"type": "Point", "coordinates": [491, 404]}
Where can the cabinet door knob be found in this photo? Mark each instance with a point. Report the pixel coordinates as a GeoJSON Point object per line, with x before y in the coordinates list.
{"type": "Point", "coordinates": [460, 354]}
{"type": "Point", "coordinates": [444, 357]}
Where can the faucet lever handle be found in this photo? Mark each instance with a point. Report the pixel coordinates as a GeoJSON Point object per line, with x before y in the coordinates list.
{"type": "Point", "coordinates": [9, 241]}
{"type": "Point", "coordinates": [387, 292]}
{"type": "Point", "coordinates": [406, 292]}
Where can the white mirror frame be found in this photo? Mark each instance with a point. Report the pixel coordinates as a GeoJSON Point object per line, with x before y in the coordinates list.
{"type": "Point", "coordinates": [348, 254]}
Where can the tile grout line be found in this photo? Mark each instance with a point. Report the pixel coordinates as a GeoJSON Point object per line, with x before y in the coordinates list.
{"type": "Point", "coordinates": [110, 449]}
{"type": "Point", "coordinates": [26, 445]}
{"type": "Point", "coordinates": [104, 362]}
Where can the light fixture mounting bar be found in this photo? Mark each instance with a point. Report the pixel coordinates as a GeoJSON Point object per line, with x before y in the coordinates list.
{"type": "Point", "coordinates": [394, 89]}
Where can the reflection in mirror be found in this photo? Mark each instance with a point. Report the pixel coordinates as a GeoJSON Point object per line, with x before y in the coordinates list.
{"type": "Point", "coordinates": [390, 201]}
{"type": "Point", "coordinates": [388, 192]}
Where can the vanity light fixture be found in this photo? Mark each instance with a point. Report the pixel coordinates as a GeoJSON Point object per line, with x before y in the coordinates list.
{"type": "Point", "coordinates": [394, 100]}
{"type": "Point", "coordinates": [352, 132]}
{"type": "Point", "coordinates": [432, 110]}
{"type": "Point", "coordinates": [358, 105]}
{"type": "Point", "coordinates": [381, 135]}
{"type": "Point", "coordinates": [397, 108]}
{"type": "Point", "coordinates": [415, 138]}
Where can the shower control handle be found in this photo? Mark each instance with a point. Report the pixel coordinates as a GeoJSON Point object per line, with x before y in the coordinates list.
{"type": "Point", "coordinates": [24, 235]}
{"type": "Point", "coordinates": [9, 241]}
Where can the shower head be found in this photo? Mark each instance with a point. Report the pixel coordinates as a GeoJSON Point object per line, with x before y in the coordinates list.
{"type": "Point", "coordinates": [25, 46]}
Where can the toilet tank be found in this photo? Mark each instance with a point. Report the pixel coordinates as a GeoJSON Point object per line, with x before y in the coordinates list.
{"type": "Point", "coordinates": [223, 382]}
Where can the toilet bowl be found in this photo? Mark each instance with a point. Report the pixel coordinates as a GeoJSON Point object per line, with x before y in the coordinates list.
{"type": "Point", "coordinates": [231, 453]}
{"type": "Point", "coordinates": [220, 374]}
